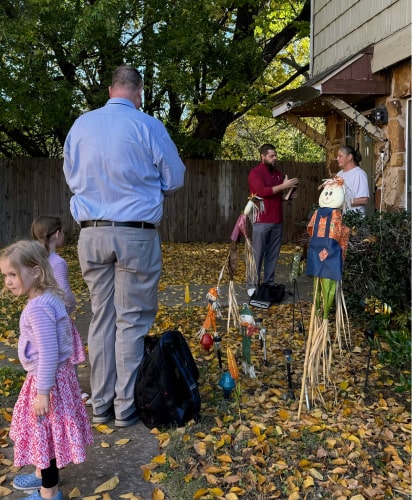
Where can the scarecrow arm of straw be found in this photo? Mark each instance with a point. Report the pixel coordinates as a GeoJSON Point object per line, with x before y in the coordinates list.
{"type": "Point", "coordinates": [233, 259]}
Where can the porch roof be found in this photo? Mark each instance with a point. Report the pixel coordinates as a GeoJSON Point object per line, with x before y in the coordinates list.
{"type": "Point", "coordinates": [351, 81]}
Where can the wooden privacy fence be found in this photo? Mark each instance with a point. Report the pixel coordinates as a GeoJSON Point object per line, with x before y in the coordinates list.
{"type": "Point", "coordinates": [204, 210]}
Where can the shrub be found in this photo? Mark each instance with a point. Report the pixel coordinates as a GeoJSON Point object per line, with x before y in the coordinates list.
{"type": "Point", "coordinates": [393, 337]}
{"type": "Point", "coordinates": [378, 260]}
{"type": "Point", "coordinates": [394, 352]}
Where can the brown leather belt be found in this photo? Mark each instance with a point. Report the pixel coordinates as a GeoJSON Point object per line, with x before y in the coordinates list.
{"type": "Point", "coordinates": [103, 223]}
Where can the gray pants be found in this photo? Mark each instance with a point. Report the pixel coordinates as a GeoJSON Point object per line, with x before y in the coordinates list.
{"type": "Point", "coordinates": [266, 242]}
{"type": "Point", "coordinates": [121, 267]}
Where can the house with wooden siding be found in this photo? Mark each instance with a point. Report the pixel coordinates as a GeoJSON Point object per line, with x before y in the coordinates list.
{"type": "Point", "coordinates": [360, 84]}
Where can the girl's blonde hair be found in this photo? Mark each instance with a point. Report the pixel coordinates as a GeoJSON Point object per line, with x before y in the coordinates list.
{"type": "Point", "coordinates": [32, 254]}
{"type": "Point", "coordinates": [43, 227]}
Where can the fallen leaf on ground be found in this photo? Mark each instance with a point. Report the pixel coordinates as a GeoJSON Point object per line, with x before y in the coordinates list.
{"type": "Point", "coordinates": [110, 484]}
{"type": "Point", "coordinates": [75, 493]}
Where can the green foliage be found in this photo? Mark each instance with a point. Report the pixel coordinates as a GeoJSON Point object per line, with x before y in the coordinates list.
{"type": "Point", "coordinates": [377, 269]}
{"type": "Point", "coordinates": [203, 67]}
{"type": "Point", "coordinates": [393, 336]}
{"type": "Point", "coordinates": [378, 260]}
{"type": "Point", "coordinates": [244, 137]}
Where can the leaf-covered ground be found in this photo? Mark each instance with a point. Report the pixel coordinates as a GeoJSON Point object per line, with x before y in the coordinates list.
{"type": "Point", "coordinates": [354, 445]}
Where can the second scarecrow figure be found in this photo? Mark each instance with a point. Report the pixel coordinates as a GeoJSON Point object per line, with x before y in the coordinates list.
{"type": "Point", "coordinates": [213, 312]}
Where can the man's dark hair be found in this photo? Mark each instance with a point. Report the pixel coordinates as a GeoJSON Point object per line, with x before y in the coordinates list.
{"type": "Point", "coordinates": [126, 76]}
{"type": "Point", "coordinates": [263, 150]}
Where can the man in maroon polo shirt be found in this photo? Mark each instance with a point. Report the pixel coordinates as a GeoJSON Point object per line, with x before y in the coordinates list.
{"type": "Point", "coordinates": [268, 183]}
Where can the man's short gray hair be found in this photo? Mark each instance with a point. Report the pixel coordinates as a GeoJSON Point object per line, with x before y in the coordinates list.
{"type": "Point", "coordinates": [126, 76]}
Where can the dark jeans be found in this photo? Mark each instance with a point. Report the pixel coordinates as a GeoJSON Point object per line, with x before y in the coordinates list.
{"type": "Point", "coordinates": [266, 242]}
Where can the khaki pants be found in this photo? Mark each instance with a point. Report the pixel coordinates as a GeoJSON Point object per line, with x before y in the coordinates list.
{"type": "Point", "coordinates": [121, 267]}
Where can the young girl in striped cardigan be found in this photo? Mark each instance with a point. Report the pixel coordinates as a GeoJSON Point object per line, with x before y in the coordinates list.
{"type": "Point", "coordinates": [50, 427]}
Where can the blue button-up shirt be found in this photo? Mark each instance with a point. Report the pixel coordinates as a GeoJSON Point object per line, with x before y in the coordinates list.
{"type": "Point", "coordinates": [119, 162]}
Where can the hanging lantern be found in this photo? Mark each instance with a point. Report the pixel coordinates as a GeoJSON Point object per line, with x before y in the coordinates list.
{"type": "Point", "coordinates": [206, 341]}
{"type": "Point", "coordinates": [227, 384]}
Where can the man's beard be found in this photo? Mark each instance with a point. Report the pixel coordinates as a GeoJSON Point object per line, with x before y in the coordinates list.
{"type": "Point", "coordinates": [270, 165]}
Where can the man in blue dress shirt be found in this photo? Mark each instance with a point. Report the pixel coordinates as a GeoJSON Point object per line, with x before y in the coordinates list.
{"type": "Point", "coordinates": [119, 164]}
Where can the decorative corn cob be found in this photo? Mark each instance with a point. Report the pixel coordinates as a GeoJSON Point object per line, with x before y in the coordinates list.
{"type": "Point", "coordinates": [231, 361]}
{"type": "Point", "coordinates": [187, 293]}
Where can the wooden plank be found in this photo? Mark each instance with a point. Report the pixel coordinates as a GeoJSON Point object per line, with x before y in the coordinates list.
{"type": "Point", "coordinates": [307, 130]}
{"type": "Point", "coordinates": [346, 110]}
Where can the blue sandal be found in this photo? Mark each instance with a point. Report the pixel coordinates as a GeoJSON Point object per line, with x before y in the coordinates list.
{"type": "Point", "coordinates": [36, 496]}
{"type": "Point", "coordinates": [27, 482]}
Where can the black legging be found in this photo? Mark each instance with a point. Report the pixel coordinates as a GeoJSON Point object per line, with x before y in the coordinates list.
{"type": "Point", "coordinates": [50, 476]}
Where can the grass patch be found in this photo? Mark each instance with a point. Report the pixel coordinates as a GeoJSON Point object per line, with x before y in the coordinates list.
{"type": "Point", "coordinates": [11, 380]}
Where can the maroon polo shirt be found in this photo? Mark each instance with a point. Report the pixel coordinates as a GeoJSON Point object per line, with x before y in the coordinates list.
{"type": "Point", "coordinates": [261, 180]}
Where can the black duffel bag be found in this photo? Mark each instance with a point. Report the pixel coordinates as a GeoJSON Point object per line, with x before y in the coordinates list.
{"type": "Point", "coordinates": [267, 295]}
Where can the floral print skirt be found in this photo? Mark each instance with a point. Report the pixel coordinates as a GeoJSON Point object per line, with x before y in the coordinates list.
{"type": "Point", "coordinates": [64, 433]}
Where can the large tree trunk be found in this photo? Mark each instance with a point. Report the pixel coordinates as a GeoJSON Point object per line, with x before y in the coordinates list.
{"type": "Point", "coordinates": [211, 125]}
